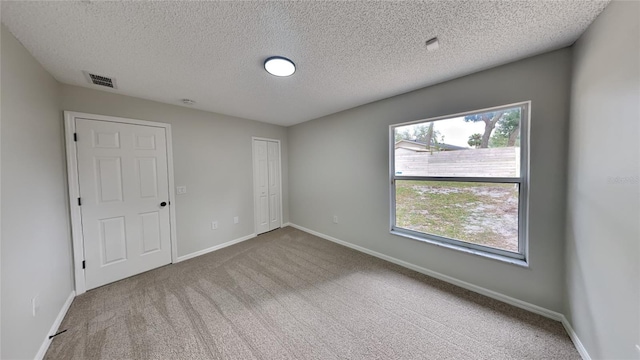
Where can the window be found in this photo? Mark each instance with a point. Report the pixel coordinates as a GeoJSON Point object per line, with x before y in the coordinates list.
{"type": "Point", "coordinates": [460, 181]}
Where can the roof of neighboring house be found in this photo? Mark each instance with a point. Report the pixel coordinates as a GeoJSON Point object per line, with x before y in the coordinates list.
{"type": "Point", "coordinates": [443, 146]}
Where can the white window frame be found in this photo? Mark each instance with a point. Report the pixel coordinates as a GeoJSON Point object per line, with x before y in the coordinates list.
{"type": "Point", "coordinates": [522, 256]}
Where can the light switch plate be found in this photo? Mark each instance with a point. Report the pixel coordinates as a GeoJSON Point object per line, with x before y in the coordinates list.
{"type": "Point", "coordinates": [181, 190]}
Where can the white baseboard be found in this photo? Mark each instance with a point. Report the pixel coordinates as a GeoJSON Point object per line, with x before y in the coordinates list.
{"type": "Point", "coordinates": [214, 248]}
{"type": "Point", "coordinates": [286, 224]}
{"type": "Point", "coordinates": [463, 284]}
{"type": "Point", "coordinates": [574, 337]}
{"type": "Point", "coordinates": [54, 328]}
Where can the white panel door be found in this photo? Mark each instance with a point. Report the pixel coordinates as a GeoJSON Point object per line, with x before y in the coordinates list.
{"type": "Point", "coordinates": [261, 185]}
{"type": "Point", "coordinates": [266, 185]}
{"type": "Point", "coordinates": [273, 159]}
{"type": "Point", "coordinates": [124, 192]}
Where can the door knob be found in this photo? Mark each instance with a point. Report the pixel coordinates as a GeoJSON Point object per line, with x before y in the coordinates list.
{"type": "Point", "coordinates": [163, 204]}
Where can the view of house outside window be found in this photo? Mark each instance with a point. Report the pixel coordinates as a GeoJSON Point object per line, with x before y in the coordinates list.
{"type": "Point", "coordinates": [461, 180]}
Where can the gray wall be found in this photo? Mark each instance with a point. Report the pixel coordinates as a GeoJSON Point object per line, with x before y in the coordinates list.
{"type": "Point", "coordinates": [603, 208]}
{"type": "Point", "coordinates": [339, 165]}
{"type": "Point", "coordinates": [212, 158]}
{"type": "Point", "coordinates": [36, 246]}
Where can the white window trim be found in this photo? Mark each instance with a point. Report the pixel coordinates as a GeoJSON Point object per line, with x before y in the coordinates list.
{"type": "Point", "coordinates": [522, 257]}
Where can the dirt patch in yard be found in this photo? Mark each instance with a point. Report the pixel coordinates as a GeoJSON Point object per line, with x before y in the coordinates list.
{"type": "Point", "coordinates": [480, 213]}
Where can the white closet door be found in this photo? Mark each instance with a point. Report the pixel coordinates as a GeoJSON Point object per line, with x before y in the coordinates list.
{"type": "Point", "coordinates": [261, 185]}
{"type": "Point", "coordinates": [273, 156]}
{"type": "Point", "coordinates": [266, 183]}
{"type": "Point", "coordinates": [124, 192]}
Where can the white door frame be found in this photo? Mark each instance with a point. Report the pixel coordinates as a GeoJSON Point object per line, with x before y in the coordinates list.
{"type": "Point", "coordinates": [255, 205]}
{"type": "Point", "coordinates": [74, 188]}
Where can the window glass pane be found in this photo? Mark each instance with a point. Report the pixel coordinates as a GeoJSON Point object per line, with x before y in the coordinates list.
{"type": "Point", "coordinates": [477, 145]}
{"type": "Point", "coordinates": [478, 213]}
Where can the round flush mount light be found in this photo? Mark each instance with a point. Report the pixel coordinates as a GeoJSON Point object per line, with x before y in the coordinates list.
{"type": "Point", "coordinates": [279, 66]}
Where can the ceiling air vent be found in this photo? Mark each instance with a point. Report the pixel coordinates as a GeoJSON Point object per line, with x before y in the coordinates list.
{"type": "Point", "coordinates": [100, 80]}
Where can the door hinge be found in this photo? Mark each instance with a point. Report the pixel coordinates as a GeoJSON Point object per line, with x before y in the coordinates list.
{"type": "Point", "coordinates": [79, 202]}
{"type": "Point", "coordinates": [83, 264]}
{"type": "Point", "coordinates": [75, 136]}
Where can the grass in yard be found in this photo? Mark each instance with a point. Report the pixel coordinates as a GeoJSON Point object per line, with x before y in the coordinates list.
{"type": "Point", "coordinates": [480, 213]}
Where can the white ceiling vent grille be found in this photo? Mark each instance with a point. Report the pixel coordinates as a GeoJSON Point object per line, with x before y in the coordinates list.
{"type": "Point", "coordinates": [100, 80]}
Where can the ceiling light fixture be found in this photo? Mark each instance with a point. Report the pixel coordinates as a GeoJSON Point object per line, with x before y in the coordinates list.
{"type": "Point", "coordinates": [279, 66]}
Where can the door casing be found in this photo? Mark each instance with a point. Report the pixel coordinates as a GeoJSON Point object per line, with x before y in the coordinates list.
{"type": "Point", "coordinates": [74, 189]}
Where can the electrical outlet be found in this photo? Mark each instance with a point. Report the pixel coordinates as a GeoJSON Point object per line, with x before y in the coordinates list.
{"type": "Point", "coordinates": [335, 219]}
{"type": "Point", "coordinates": [236, 220]}
{"type": "Point", "coordinates": [35, 306]}
{"type": "Point", "coordinates": [214, 225]}
{"type": "Point", "coordinates": [181, 190]}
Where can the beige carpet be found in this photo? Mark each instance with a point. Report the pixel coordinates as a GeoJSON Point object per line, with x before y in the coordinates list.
{"type": "Point", "coordinates": [291, 295]}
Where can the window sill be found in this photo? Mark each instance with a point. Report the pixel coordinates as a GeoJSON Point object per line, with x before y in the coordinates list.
{"type": "Point", "coordinates": [518, 262]}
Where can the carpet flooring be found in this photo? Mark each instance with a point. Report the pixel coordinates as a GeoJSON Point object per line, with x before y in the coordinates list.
{"type": "Point", "coordinates": [291, 295]}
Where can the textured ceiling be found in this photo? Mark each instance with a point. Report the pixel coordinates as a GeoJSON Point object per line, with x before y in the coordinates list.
{"type": "Point", "coordinates": [347, 53]}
